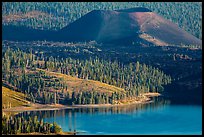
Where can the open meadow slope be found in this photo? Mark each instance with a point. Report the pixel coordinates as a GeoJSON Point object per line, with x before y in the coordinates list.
{"type": "Point", "coordinates": [78, 85]}
{"type": "Point", "coordinates": [12, 98]}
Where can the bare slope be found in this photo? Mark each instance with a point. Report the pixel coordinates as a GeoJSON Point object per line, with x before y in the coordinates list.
{"type": "Point", "coordinates": [12, 98]}
{"type": "Point", "coordinates": [136, 24]}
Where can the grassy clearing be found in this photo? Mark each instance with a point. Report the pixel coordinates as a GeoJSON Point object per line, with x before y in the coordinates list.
{"type": "Point", "coordinates": [21, 16]}
{"type": "Point", "coordinates": [77, 84]}
{"type": "Point", "coordinates": [12, 98]}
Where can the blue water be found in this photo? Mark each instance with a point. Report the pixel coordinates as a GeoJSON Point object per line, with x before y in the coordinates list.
{"type": "Point", "coordinates": [150, 119]}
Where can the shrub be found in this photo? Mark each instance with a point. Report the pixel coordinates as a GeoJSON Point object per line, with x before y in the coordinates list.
{"type": "Point", "coordinates": [56, 128]}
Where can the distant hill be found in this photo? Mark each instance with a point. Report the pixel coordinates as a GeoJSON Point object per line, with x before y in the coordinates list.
{"type": "Point", "coordinates": [135, 24]}
{"type": "Point", "coordinates": [21, 33]}
{"type": "Point", "coordinates": [138, 25]}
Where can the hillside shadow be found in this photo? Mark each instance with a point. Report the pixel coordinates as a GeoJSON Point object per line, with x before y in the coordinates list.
{"type": "Point", "coordinates": [22, 33]}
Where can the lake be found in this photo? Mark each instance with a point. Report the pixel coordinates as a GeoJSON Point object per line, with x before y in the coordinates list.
{"type": "Point", "coordinates": [159, 117]}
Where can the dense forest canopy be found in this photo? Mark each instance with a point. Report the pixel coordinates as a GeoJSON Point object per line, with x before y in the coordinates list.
{"type": "Point", "coordinates": [56, 15]}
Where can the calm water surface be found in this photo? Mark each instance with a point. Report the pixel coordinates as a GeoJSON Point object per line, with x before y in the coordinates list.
{"type": "Point", "coordinates": [159, 117]}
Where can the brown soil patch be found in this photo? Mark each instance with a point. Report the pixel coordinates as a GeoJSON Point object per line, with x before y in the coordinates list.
{"type": "Point", "coordinates": [21, 16]}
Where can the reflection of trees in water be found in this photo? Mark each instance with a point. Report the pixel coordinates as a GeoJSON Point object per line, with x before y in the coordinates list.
{"type": "Point", "coordinates": [158, 102]}
{"type": "Point", "coordinates": [70, 121]}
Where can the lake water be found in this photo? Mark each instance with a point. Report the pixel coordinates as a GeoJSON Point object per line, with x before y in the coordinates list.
{"type": "Point", "coordinates": [159, 117]}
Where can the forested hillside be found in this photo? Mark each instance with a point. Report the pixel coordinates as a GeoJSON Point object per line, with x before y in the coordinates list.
{"type": "Point", "coordinates": [31, 74]}
{"type": "Point", "coordinates": [56, 15]}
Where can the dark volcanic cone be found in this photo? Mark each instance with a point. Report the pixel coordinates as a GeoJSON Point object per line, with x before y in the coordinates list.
{"type": "Point", "coordinates": [136, 24]}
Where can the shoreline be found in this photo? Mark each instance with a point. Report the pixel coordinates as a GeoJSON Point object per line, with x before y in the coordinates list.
{"type": "Point", "coordinates": [144, 99]}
